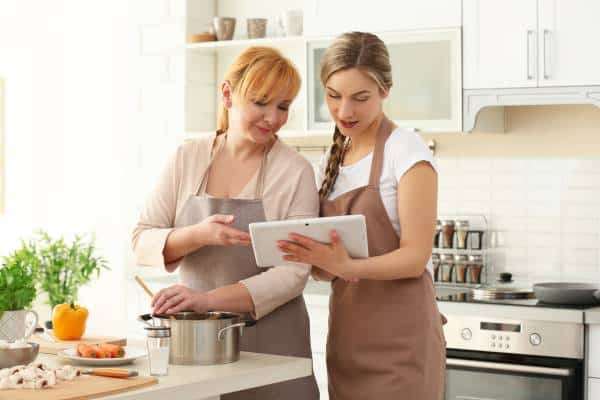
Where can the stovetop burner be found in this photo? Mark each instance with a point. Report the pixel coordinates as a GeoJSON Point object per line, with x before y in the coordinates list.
{"type": "Point", "coordinates": [467, 297]}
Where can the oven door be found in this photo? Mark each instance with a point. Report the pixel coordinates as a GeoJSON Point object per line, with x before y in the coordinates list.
{"type": "Point", "coordinates": [474, 375]}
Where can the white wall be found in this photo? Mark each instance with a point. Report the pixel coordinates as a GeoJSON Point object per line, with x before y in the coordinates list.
{"type": "Point", "coordinates": [80, 155]}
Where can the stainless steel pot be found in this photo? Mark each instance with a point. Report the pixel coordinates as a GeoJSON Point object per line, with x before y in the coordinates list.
{"type": "Point", "coordinates": [203, 338]}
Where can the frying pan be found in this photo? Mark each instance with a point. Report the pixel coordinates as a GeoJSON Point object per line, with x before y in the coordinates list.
{"type": "Point", "coordinates": [568, 293]}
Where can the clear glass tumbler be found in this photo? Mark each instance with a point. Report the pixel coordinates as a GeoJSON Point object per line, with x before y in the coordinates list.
{"type": "Point", "coordinates": [159, 342]}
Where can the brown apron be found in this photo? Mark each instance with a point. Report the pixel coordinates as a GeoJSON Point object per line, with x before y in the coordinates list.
{"type": "Point", "coordinates": [284, 331]}
{"type": "Point", "coordinates": [385, 338]}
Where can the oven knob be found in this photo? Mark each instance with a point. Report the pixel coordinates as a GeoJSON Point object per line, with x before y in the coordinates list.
{"type": "Point", "coordinates": [466, 334]}
{"type": "Point", "coordinates": [535, 339]}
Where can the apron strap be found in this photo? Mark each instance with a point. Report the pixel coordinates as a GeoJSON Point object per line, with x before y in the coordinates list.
{"type": "Point", "coordinates": [204, 179]}
{"type": "Point", "coordinates": [260, 183]}
{"type": "Point", "coordinates": [258, 189]}
{"type": "Point", "coordinates": [385, 130]}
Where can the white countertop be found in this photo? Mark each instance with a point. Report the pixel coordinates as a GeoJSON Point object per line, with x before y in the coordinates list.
{"type": "Point", "coordinates": [200, 382]}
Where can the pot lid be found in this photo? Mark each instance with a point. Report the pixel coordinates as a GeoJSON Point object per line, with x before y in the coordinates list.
{"type": "Point", "coordinates": [495, 293]}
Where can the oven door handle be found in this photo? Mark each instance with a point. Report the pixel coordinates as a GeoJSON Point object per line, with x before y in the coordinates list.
{"type": "Point", "coordinates": [529, 369]}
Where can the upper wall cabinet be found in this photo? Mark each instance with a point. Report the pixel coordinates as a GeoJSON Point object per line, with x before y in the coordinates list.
{"type": "Point", "coordinates": [568, 33]}
{"type": "Point", "coordinates": [332, 17]}
{"type": "Point", "coordinates": [426, 93]}
{"type": "Point", "coordinates": [530, 43]}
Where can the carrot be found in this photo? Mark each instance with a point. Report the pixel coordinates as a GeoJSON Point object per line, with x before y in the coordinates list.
{"type": "Point", "coordinates": [85, 350]}
{"type": "Point", "coordinates": [114, 350]}
{"type": "Point", "coordinates": [100, 353]}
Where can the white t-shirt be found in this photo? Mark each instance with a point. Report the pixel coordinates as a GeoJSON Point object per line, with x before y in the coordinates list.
{"type": "Point", "coordinates": [403, 149]}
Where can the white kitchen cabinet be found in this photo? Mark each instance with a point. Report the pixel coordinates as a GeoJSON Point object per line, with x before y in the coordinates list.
{"type": "Point", "coordinates": [499, 43]}
{"type": "Point", "coordinates": [318, 312]}
{"type": "Point", "coordinates": [593, 389]}
{"type": "Point", "coordinates": [593, 351]}
{"type": "Point", "coordinates": [568, 42]}
{"type": "Point", "coordinates": [426, 70]}
{"type": "Point", "coordinates": [331, 17]}
{"type": "Point", "coordinates": [530, 43]}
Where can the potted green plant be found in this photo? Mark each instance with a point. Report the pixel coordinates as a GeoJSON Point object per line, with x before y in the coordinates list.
{"type": "Point", "coordinates": [65, 267]}
{"type": "Point", "coordinates": [18, 276]}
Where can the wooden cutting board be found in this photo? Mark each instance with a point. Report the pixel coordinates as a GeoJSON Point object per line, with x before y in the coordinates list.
{"type": "Point", "coordinates": [84, 387]}
{"type": "Point", "coordinates": [47, 347]}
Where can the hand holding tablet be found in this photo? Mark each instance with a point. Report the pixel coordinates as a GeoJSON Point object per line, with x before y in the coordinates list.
{"type": "Point", "coordinates": [264, 235]}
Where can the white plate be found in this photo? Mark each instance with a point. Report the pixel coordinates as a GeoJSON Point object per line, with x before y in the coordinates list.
{"type": "Point", "coordinates": [131, 353]}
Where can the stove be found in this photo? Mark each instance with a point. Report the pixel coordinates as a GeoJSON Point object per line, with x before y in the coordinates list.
{"type": "Point", "coordinates": [524, 352]}
{"type": "Point", "coordinates": [468, 296]}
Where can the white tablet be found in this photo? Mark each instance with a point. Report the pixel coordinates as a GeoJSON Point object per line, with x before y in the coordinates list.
{"type": "Point", "coordinates": [352, 229]}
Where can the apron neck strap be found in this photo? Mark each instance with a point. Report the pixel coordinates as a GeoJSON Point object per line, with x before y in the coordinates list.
{"type": "Point", "coordinates": [385, 130]}
{"type": "Point", "coordinates": [258, 189]}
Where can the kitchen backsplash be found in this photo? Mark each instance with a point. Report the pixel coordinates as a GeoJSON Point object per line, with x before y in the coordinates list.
{"type": "Point", "coordinates": [543, 214]}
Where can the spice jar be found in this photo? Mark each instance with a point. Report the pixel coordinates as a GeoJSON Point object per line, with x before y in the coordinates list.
{"type": "Point", "coordinates": [460, 267]}
{"type": "Point", "coordinates": [446, 267]}
{"type": "Point", "coordinates": [158, 341]}
{"type": "Point", "coordinates": [436, 236]}
{"type": "Point", "coordinates": [462, 231]}
{"type": "Point", "coordinates": [435, 259]}
{"type": "Point", "coordinates": [447, 233]}
{"type": "Point", "coordinates": [475, 240]}
{"type": "Point", "coordinates": [475, 266]}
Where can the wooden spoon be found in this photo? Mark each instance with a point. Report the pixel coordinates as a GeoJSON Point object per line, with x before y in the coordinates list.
{"type": "Point", "coordinates": [147, 290]}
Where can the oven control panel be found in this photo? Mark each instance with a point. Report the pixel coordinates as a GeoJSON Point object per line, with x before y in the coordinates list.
{"type": "Point", "coordinates": [541, 338]}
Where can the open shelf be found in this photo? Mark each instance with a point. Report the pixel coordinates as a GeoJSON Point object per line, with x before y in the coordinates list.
{"type": "Point", "coordinates": [269, 41]}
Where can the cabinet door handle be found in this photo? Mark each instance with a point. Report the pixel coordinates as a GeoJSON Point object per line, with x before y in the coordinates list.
{"type": "Point", "coordinates": [546, 55]}
{"type": "Point", "coordinates": [528, 38]}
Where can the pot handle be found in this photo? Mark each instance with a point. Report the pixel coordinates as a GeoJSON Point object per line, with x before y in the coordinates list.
{"type": "Point", "coordinates": [241, 325]}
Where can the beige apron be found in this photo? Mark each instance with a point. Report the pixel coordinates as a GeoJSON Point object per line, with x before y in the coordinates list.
{"type": "Point", "coordinates": [285, 331]}
{"type": "Point", "coordinates": [385, 337]}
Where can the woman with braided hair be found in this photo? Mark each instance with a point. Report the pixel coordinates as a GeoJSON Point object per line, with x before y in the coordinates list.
{"type": "Point", "coordinates": [385, 336]}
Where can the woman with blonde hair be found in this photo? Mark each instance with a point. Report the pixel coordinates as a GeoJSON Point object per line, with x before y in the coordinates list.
{"type": "Point", "coordinates": [196, 219]}
{"type": "Point", "coordinates": [385, 336]}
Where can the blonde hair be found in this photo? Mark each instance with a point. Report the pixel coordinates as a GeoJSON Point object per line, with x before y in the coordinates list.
{"type": "Point", "coordinates": [259, 73]}
{"type": "Point", "coordinates": [368, 53]}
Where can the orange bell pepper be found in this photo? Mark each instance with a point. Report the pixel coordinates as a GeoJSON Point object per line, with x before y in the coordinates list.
{"type": "Point", "coordinates": [68, 321]}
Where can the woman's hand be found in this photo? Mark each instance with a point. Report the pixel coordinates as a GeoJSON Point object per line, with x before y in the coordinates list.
{"type": "Point", "coordinates": [332, 258]}
{"type": "Point", "coordinates": [215, 231]}
{"type": "Point", "coordinates": [178, 298]}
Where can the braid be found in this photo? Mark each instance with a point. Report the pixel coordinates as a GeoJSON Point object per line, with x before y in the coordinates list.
{"type": "Point", "coordinates": [333, 164]}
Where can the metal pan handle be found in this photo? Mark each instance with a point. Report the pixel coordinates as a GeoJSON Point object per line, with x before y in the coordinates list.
{"type": "Point", "coordinates": [241, 325]}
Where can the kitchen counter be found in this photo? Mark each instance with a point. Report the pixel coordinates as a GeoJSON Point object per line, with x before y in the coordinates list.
{"type": "Point", "coordinates": [317, 293]}
{"type": "Point", "coordinates": [592, 316]}
{"type": "Point", "coordinates": [208, 382]}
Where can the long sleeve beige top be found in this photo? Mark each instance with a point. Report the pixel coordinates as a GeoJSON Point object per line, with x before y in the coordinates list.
{"type": "Point", "coordinates": [289, 192]}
